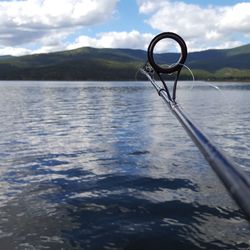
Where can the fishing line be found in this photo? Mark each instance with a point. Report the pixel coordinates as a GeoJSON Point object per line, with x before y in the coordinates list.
{"type": "Point", "coordinates": [213, 86]}
{"type": "Point", "coordinates": [190, 71]}
{"type": "Point", "coordinates": [185, 66]}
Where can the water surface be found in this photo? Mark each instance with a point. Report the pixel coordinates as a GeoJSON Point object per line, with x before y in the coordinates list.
{"type": "Point", "coordinates": [105, 165]}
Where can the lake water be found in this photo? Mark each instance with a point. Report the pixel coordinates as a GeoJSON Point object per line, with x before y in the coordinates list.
{"type": "Point", "coordinates": [105, 165]}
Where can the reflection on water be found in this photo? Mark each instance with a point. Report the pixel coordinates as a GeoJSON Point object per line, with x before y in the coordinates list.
{"type": "Point", "coordinates": [89, 165]}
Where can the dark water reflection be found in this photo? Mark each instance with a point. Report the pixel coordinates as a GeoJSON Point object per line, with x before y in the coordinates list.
{"type": "Point", "coordinates": [106, 166]}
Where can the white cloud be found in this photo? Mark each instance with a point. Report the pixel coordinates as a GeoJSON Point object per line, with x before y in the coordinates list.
{"type": "Point", "coordinates": [28, 22]}
{"type": "Point", "coordinates": [37, 26]}
{"type": "Point", "coordinates": [148, 7]}
{"type": "Point", "coordinates": [236, 18]}
{"type": "Point", "coordinates": [14, 51]}
{"type": "Point", "coordinates": [133, 39]}
{"type": "Point", "coordinates": [55, 13]}
{"type": "Point", "coordinates": [201, 27]}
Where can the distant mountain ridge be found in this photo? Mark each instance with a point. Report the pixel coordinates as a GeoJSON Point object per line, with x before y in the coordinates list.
{"type": "Point", "coordinates": [88, 63]}
{"type": "Point", "coordinates": [218, 59]}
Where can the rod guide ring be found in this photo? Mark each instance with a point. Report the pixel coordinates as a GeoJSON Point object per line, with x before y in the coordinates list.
{"type": "Point", "coordinates": [178, 65]}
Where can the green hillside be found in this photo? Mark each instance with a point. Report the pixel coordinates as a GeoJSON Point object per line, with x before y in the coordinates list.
{"type": "Point", "coordinates": [122, 64]}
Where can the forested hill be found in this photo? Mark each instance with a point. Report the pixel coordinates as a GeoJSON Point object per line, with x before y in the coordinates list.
{"type": "Point", "coordinates": [122, 64]}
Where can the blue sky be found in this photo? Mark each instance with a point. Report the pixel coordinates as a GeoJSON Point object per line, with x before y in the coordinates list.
{"type": "Point", "coordinates": [38, 26]}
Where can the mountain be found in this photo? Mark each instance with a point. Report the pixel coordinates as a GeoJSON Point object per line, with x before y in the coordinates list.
{"type": "Point", "coordinates": [213, 60]}
{"type": "Point", "coordinates": [122, 64]}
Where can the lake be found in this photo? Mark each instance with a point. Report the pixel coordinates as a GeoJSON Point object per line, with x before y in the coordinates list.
{"type": "Point", "coordinates": [105, 165]}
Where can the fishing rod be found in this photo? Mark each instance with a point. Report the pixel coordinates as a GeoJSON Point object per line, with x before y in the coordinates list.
{"type": "Point", "coordinates": [233, 178]}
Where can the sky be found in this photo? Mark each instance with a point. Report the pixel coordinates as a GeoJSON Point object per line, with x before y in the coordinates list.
{"type": "Point", "coordinates": [42, 26]}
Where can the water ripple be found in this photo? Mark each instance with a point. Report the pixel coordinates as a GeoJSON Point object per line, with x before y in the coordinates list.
{"type": "Point", "coordinates": [89, 165]}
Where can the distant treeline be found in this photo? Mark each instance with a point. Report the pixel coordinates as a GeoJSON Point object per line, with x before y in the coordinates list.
{"type": "Point", "coordinates": [123, 64]}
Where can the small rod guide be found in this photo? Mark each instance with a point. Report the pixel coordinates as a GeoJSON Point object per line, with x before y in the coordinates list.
{"type": "Point", "coordinates": [233, 178]}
